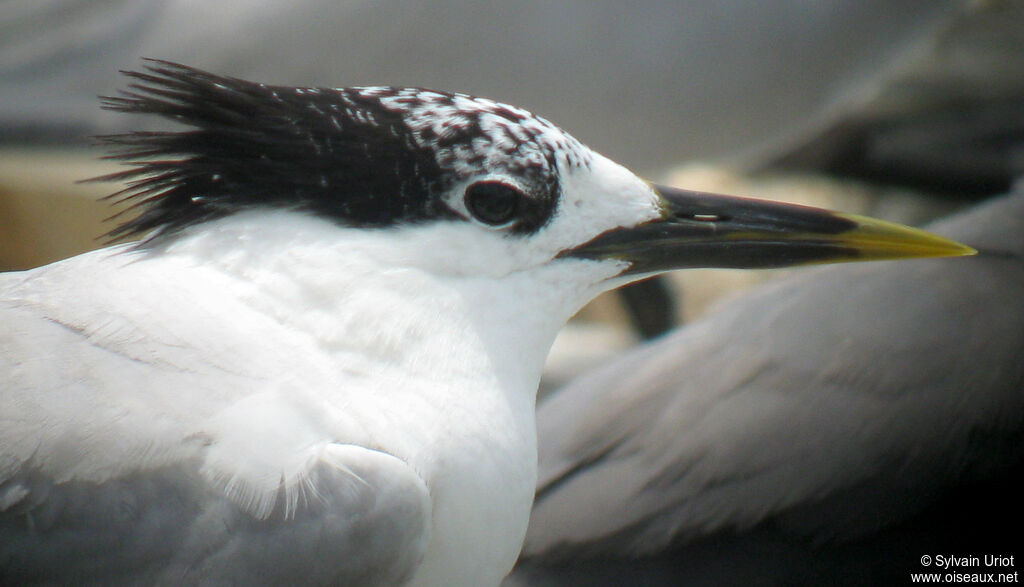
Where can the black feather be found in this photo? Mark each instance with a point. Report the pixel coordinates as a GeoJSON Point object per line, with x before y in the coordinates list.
{"type": "Point", "coordinates": [259, 145]}
{"type": "Point", "coordinates": [343, 154]}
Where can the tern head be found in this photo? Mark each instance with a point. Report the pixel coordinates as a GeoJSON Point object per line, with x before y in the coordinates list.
{"type": "Point", "coordinates": [454, 184]}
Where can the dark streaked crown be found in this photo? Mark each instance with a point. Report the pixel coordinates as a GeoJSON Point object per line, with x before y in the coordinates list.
{"type": "Point", "coordinates": [365, 157]}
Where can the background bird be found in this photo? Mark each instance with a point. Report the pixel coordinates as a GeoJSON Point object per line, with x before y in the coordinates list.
{"type": "Point", "coordinates": [319, 365]}
{"type": "Point", "coordinates": [827, 428]}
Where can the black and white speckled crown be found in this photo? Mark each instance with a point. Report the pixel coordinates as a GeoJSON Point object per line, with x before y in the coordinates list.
{"type": "Point", "coordinates": [363, 156]}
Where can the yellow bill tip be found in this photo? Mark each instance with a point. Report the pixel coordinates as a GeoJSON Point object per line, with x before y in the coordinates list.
{"type": "Point", "coordinates": [875, 239]}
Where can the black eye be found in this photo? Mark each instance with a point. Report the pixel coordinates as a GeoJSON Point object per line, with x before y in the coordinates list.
{"type": "Point", "coordinates": [493, 202]}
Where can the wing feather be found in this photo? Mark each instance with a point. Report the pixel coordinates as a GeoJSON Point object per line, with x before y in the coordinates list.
{"type": "Point", "coordinates": [143, 444]}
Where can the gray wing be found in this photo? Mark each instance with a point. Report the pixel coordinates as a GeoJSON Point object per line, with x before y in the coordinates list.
{"type": "Point", "coordinates": [129, 456]}
{"type": "Point", "coordinates": [824, 407]}
{"type": "Point", "coordinates": [361, 519]}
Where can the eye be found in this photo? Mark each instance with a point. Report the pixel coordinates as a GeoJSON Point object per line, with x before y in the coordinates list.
{"type": "Point", "coordinates": [493, 202]}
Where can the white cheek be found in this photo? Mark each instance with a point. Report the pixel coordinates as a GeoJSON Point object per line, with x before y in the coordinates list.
{"type": "Point", "coordinates": [598, 199]}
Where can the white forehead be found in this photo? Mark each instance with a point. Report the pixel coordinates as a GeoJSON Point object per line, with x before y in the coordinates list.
{"type": "Point", "coordinates": [470, 133]}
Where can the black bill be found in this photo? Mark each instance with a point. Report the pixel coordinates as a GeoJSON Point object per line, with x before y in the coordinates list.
{"type": "Point", "coordinates": [699, 229]}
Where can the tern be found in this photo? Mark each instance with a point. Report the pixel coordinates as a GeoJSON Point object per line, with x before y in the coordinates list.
{"type": "Point", "coordinates": [319, 363]}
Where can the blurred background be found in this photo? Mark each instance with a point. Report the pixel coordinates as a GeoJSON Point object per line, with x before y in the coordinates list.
{"type": "Point", "coordinates": [903, 109]}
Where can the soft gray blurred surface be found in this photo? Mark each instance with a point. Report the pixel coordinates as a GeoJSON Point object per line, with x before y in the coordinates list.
{"type": "Point", "coordinates": [796, 435]}
{"type": "Point", "coordinates": [649, 84]}
{"type": "Point", "coordinates": [951, 121]}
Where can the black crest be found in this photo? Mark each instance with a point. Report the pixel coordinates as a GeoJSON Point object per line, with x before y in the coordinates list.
{"type": "Point", "coordinates": [366, 157]}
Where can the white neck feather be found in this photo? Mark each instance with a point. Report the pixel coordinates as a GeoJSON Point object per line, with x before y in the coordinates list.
{"type": "Point", "coordinates": [445, 364]}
